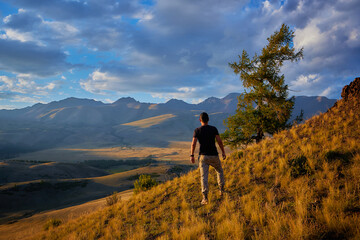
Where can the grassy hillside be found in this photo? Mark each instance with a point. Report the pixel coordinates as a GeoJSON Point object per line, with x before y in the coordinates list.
{"type": "Point", "coordinates": [303, 183]}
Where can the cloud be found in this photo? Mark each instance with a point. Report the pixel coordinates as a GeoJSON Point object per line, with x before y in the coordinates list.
{"type": "Point", "coordinates": [5, 95]}
{"type": "Point", "coordinates": [26, 99]}
{"type": "Point", "coordinates": [180, 48]}
{"type": "Point", "coordinates": [28, 57]}
{"type": "Point", "coordinates": [24, 84]}
{"type": "Point", "coordinates": [28, 26]}
{"type": "Point", "coordinates": [75, 10]}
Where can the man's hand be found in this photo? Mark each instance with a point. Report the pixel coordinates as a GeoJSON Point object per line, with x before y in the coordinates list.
{"type": "Point", "coordinates": [193, 146]}
{"type": "Point", "coordinates": [221, 145]}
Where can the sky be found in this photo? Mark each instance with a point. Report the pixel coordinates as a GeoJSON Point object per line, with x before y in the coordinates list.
{"type": "Point", "coordinates": [155, 50]}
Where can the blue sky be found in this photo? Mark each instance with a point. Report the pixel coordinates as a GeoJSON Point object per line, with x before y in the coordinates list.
{"type": "Point", "coordinates": [158, 50]}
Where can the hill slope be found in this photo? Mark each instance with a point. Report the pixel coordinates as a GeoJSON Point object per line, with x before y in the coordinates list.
{"type": "Point", "coordinates": [303, 183]}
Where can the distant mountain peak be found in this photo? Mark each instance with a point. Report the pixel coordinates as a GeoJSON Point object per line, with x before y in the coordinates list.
{"type": "Point", "coordinates": [210, 100]}
{"type": "Point", "coordinates": [125, 100]}
{"type": "Point", "coordinates": [176, 101]}
{"type": "Point", "coordinates": [73, 101]}
{"type": "Point", "coordinates": [231, 96]}
{"type": "Point", "coordinates": [177, 104]}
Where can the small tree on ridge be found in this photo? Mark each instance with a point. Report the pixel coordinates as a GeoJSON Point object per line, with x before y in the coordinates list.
{"type": "Point", "coordinates": [264, 107]}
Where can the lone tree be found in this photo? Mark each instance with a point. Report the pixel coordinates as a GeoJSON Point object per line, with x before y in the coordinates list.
{"type": "Point", "coordinates": [264, 107]}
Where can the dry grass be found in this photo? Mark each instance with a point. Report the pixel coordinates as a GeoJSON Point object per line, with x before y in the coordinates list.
{"type": "Point", "coordinates": [176, 151]}
{"type": "Point", "coordinates": [148, 122]}
{"type": "Point", "coordinates": [264, 200]}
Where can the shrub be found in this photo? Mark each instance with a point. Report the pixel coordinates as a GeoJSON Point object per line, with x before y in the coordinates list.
{"type": "Point", "coordinates": [239, 154]}
{"type": "Point", "coordinates": [145, 182]}
{"type": "Point", "coordinates": [337, 155]}
{"type": "Point", "coordinates": [52, 223]}
{"type": "Point", "coordinates": [112, 199]}
{"type": "Point", "coordinates": [299, 167]}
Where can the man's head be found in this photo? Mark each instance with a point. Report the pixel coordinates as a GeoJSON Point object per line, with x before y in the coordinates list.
{"type": "Point", "coordinates": [204, 117]}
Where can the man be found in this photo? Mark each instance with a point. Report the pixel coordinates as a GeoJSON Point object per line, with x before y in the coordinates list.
{"type": "Point", "coordinates": [208, 155]}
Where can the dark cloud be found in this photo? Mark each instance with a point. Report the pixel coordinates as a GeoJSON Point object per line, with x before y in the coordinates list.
{"type": "Point", "coordinates": [25, 21]}
{"type": "Point", "coordinates": [6, 95]}
{"type": "Point", "coordinates": [66, 10]}
{"type": "Point", "coordinates": [27, 57]}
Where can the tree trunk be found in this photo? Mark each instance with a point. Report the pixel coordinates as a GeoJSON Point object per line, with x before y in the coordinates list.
{"type": "Point", "coordinates": [259, 135]}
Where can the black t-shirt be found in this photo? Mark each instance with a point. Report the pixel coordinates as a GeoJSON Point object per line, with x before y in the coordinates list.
{"type": "Point", "coordinates": [206, 136]}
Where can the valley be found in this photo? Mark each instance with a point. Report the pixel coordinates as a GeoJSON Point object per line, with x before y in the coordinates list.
{"type": "Point", "coordinates": [67, 183]}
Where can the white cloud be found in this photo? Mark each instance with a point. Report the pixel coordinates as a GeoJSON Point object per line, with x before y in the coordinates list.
{"type": "Point", "coordinates": [144, 15]}
{"type": "Point", "coordinates": [101, 81]}
{"type": "Point", "coordinates": [26, 99]}
{"type": "Point", "coordinates": [25, 85]}
{"type": "Point", "coordinates": [7, 107]}
{"type": "Point", "coordinates": [309, 37]}
{"type": "Point", "coordinates": [17, 35]}
{"type": "Point", "coordinates": [326, 92]}
{"type": "Point", "coordinates": [107, 100]}
{"type": "Point", "coordinates": [305, 81]}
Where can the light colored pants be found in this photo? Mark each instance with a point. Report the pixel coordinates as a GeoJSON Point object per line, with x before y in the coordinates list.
{"type": "Point", "coordinates": [204, 162]}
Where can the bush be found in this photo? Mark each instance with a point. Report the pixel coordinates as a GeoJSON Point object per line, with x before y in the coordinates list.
{"type": "Point", "coordinates": [337, 155]}
{"type": "Point", "coordinates": [299, 167]}
{"type": "Point", "coordinates": [239, 154]}
{"type": "Point", "coordinates": [52, 223]}
{"type": "Point", "coordinates": [145, 182]}
{"type": "Point", "coordinates": [112, 199]}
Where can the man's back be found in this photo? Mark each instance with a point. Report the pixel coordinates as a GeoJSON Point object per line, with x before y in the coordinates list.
{"type": "Point", "coordinates": [206, 137]}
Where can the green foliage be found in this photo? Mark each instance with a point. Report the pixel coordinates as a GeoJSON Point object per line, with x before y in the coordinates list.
{"type": "Point", "coordinates": [112, 199]}
{"type": "Point", "coordinates": [145, 182]}
{"type": "Point", "coordinates": [52, 223]}
{"type": "Point", "coordinates": [299, 167]}
{"type": "Point", "coordinates": [265, 107]}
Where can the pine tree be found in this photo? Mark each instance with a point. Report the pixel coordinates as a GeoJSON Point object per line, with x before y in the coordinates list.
{"type": "Point", "coordinates": [264, 107]}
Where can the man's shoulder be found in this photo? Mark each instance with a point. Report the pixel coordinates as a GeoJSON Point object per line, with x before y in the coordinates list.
{"type": "Point", "coordinates": [213, 128]}
{"type": "Point", "coordinates": [206, 128]}
{"type": "Point", "coordinates": [197, 129]}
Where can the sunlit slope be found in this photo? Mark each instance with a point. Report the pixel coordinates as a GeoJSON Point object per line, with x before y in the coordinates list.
{"type": "Point", "coordinates": [303, 183]}
{"type": "Point", "coordinates": [148, 122]}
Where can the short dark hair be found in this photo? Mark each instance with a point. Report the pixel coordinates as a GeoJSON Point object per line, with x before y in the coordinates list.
{"type": "Point", "coordinates": [204, 117]}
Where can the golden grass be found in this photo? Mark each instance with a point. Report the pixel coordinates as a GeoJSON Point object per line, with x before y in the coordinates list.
{"type": "Point", "coordinates": [51, 113]}
{"type": "Point", "coordinates": [148, 122]}
{"type": "Point", "coordinates": [175, 151]}
{"type": "Point", "coordinates": [264, 199]}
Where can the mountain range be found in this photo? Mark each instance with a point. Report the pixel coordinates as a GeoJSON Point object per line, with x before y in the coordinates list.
{"type": "Point", "coordinates": [75, 122]}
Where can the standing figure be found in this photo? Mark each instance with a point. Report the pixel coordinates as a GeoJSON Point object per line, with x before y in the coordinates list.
{"type": "Point", "coordinates": [208, 155]}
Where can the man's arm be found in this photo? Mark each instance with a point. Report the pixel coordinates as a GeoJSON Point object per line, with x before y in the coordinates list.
{"type": "Point", "coordinates": [193, 146]}
{"type": "Point", "coordinates": [221, 145]}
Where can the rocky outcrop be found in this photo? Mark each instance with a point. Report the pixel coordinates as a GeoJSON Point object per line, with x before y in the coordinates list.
{"type": "Point", "coordinates": [352, 90]}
